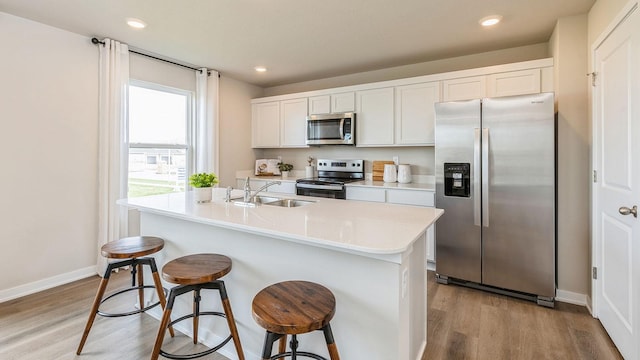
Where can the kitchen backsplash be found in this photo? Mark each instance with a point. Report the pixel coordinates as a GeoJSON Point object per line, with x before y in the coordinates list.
{"type": "Point", "coordinates": [421, 158]}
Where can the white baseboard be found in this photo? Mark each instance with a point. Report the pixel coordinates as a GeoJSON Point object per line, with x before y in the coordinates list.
{"type": "Point", "coordinates": [44, 284]}
{"type": "Point", "coordinates": [571, 297]}
{"type": "Point", "coordinates": [431, 266]}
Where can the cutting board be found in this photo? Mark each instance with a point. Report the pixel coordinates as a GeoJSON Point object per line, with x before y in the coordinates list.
{"type": "Point", "coordinates": [378, 169]}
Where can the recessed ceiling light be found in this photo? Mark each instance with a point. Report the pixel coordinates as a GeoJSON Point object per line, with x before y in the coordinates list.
{"type": "Point", "coordinates": [490, 20]}
{"type": "Point", "coordinates": [136, 23]}
{"type": "Point", "coordinates": [260, 68]}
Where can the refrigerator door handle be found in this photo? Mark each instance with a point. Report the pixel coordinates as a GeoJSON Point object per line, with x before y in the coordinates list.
{"type": "Point", "coordinates": [476, 177]}
{"type": "Point", "coordinates": [485, 177]}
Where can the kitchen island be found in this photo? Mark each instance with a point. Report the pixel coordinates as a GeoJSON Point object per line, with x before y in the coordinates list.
{"type": "Point", "coordinates": [371, 256]}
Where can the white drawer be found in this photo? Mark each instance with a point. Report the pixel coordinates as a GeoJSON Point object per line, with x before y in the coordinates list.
{"type": "Point", "coordinates": [365, 194]}
{"type": "Point", "coordinates": [410, 197]}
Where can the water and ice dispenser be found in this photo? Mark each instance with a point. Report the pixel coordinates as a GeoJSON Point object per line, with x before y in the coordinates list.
{"type": "Point", "coordinates": [457, 179]}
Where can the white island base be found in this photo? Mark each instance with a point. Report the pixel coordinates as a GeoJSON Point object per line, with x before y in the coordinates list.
{"type": "Point", "coordinates": [381, 311]}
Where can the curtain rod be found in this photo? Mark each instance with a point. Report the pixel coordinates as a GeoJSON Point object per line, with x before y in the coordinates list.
{"type": "Point", "coordinates": [95, 41]}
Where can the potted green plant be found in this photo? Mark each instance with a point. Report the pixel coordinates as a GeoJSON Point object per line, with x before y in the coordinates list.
{"type": "Point", "coordinates": [202, 184]}
{"type": "Point", "coordinates": [284, 169]}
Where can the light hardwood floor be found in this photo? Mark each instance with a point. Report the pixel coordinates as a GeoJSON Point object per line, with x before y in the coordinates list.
{"type": "Point", "coordinates": [462, 324]}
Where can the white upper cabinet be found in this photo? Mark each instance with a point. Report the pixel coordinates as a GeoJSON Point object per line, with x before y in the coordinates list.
{"type": "Point", "coordinates": [374, 117]}
{"type": "Point", "coordinates": [464, 88]}
{"type": "Point", "coordinates": [415, 113]}
{"type": "Point", "coordinates": [320, 105]}
{"type": "Point", "coordinates": [493, 85]}
{"type": "Point", "coordinates": [513, 83]}
{"type": "Point", "coordinates": [396, 112]}
{"type": "Point", "coordinates": [344, 102]}
{"type": "Point", "coordinates": [334, 103]}
{"type": "Point", "coordinates": [265, 124]}
{"type": "Point", "coordinates": [293, 123]}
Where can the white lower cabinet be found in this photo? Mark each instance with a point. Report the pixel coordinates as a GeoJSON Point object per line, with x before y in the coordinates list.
{"type": "Point", "coordinates": [404, 197]}
{"type": "Point", "coordinates": [366, 194]}
{"type": "Point", "coordinates": [285, 187]}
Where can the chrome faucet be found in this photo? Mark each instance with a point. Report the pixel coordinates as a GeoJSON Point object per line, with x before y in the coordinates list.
{"type": "Point", "coordinates": [247, 189]}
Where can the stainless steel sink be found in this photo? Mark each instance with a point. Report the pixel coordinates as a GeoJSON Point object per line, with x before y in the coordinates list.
{"type": "Point", "coordinates": [266, 199]}
{"type": "Point", "coordinates": [274, 201]}
{"type": "Point", "coordinates": [289, 203]}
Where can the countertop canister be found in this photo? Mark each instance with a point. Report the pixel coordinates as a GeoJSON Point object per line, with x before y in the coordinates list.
{"type": "Point", "coordinates": [390, 174]}
{"type": "Point", "coordinates": [404, 173]}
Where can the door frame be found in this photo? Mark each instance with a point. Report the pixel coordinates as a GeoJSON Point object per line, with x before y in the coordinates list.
{"type": "Point", "coordinates": [595, 235]}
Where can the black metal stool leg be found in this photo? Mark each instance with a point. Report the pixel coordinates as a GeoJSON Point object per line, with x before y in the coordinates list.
{"type": "Point", "coordinates": [267, 349]}
{"type": "Point", "coordinates": [331, 344]}
{"type": "Point", "coordinates": [196, 314]}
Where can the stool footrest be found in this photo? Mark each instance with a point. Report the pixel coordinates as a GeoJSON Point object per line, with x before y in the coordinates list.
{"type": "Point", "coordinates": [299, 353]}
{"type": "Point", "coordinates": [203, 353]}
{"type": "Point", "coordinates": [151, 306]}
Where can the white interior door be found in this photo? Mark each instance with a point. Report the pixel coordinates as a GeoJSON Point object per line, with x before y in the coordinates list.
{"type": "Point", "coordinates": [617, 189]}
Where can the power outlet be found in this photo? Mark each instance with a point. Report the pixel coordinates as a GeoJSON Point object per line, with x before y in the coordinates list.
{"type": "Point", "coordinates": [395, 160]}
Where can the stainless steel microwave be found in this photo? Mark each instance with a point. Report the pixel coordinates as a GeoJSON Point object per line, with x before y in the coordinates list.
{"type": "Point", "coordinates": [331, 129]}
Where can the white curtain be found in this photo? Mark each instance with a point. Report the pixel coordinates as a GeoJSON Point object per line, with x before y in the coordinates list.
{"type": "Point", "coordinates": [206, 129]}
{"type": "Point", "coordinates": [112, 152]}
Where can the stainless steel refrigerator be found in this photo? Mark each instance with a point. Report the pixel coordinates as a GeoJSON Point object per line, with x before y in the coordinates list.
{"type": "Point", "coordinates": [496, 181]}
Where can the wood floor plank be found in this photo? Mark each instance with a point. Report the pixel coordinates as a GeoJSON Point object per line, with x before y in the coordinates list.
{"type": "Point", "coordinates": [462, 324]}
{"type": "Point", "coordinates": [466, 323]}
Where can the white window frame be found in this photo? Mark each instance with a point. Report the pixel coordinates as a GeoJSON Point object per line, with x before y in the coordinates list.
{"type": "Point", "coordinates": [190, 129]}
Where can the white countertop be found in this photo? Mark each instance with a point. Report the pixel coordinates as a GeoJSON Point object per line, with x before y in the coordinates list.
{"type": "Point", "coordinates": [354, 226]}
{"type": "Point", "coordinates": [394, 185]}
{"type": "Point", "coordinates": [424, 183]}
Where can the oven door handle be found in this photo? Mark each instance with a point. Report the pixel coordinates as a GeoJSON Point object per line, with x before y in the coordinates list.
{"type": "Point", "coordinates": [319, 187]}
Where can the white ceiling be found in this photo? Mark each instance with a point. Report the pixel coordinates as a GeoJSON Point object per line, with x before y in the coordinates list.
{"type": "Point", "coordinates": [299, 40]}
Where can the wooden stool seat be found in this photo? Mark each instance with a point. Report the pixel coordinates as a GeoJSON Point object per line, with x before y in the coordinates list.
{"type": "Point", "coordinates": [129, 252]}
{"type": "Point", "coordinates": [193, 273]}
{"type": "Point", "coordinates": [132, 247]}
{"type": "Point", "coordinates": [196, 269]}
{"type": "Point", "coordinates": [292, 308]}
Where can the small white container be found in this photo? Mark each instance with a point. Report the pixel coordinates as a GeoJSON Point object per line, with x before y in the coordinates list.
{"type": "Point", "coordinates": [202, 195]}
{"type": "Point", "coordinates": [309, 171]}
{"type": "Point", "coordinates": [404, 173]}
{"type": "Point", "coordinates": [390, 175]}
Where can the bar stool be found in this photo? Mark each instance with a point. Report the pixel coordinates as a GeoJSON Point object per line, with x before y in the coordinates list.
{"type": "Point", "coordinates": [194, 273]}
{"type": "Point", "coordinates": [132, 249]}
{"type": "Point", "coordinates": [292, 308]}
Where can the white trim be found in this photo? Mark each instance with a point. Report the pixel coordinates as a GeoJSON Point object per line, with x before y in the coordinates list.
{"type": "Point", "coordinates": [595, 238]}
{"type": "Point", "coordinates": [623, 14]}
{"type": "Point", "coordinates": [570, 297]}
{"type": "Point", "coordinates": [44, 284]}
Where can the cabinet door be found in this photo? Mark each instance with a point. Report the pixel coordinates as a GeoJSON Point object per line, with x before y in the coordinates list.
{"type": "Point", "coordinates": [464, 88]}
{"type": "Point", "coordinates": [415, 114]}
{"type": "Point", "coordinates": [411, 197]}
{"type": "Point", "coordinates": [365, 194]}
{"type": "Point", "coordinates": [514, 83]}
{"type": "Point", "coordinates": [374, 118]}
{"type": "Point", "coordinates": [319, 104]}
{"type": "Point", "coordinates": [344, 102]}
{"type": "Point", "coordinates": [265, 124]}
{"type": "Point", "coordinates": [293, 122]}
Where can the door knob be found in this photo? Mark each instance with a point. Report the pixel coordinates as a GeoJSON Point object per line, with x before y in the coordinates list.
{"type": "Point", "coordinates": [626, 211]}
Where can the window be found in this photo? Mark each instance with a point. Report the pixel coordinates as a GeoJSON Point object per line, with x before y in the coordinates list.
{"type": "Point", "coordinates": [159, 139]}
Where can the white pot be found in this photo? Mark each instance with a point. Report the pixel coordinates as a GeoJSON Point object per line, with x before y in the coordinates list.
{"type": "Point", "coordinates": [284, 174]}
{"type": "Point", "coordinates": [309, 171]}
{"type": "Point", "coordinates": [390, 174]}
{"type": "Point", "coordinates": [202, 195]}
